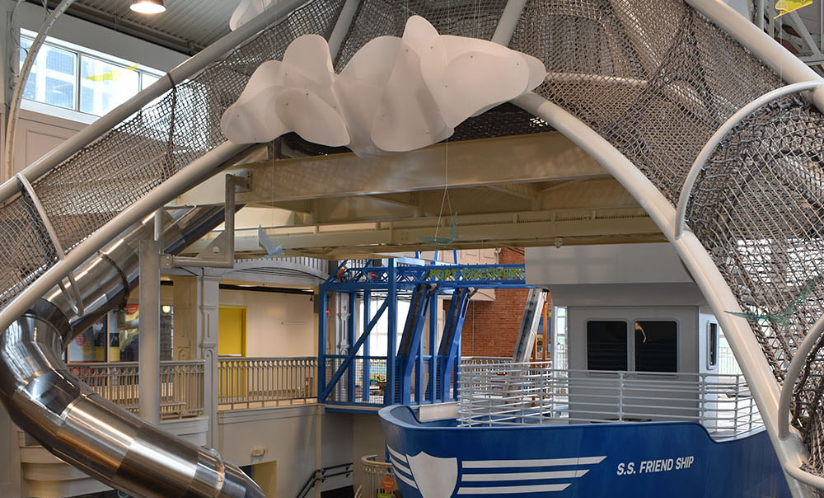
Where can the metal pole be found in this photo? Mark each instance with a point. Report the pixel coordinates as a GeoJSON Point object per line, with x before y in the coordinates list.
{"type": "Point", "coordinates": [433, 347]}
{"type": "Point", "coordinates": [149, 331]}
{"type": "Point", "coordinates": [22, 77]}
{"type": "Point", "coordinates": [759, 14]}
{"type": "Point", "coordinates": [367, 311]}
{"type": "Point", "coordinates": [508, 22]}
{"type": "Point", "coordinates": [351, 326]}
{"type": "Point", "coordinates": [392, 333]}
{"type": "Point", "coordinates": [345, 18]}
{"type": "Point", "coordinates": [322, 321]}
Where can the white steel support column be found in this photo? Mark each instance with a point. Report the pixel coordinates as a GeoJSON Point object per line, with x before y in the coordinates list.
{"type": "Point", "coordinates": [149, 331]}
{"type": "Point", "coordinates": [208, 336]}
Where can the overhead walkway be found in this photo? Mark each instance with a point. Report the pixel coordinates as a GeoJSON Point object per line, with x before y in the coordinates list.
{"type": "Point", "coordinates": [667, 96]}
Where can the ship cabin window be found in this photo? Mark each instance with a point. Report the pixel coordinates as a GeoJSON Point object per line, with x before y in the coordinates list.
{"type": "Point", "coordinates": [712, 344]}
{"type": "Point", "coordinates": [656, 346]}
{"type": "Point", "coordinates": [606, 345]}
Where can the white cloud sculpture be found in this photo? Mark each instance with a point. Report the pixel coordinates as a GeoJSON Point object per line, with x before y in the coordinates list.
{"type": "Point", "coordinates": [247, 10]}
{"type": "Point", "coordinates": [394, 95]}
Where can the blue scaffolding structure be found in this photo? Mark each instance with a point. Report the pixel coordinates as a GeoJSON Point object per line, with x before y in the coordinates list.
{"type": "Point", "coordinates": [404, 373]}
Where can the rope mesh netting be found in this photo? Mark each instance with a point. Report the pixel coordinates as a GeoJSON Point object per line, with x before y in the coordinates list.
{"type": "Point", "coordinates": [657, 79]}
{"type": "Point", "coordinates": [84, 192]}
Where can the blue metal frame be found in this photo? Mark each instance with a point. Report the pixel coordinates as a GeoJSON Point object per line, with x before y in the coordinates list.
{"type": "Point", "coordinates": [408, 360]}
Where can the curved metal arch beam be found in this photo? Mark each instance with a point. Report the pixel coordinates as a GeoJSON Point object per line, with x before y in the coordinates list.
{"type": "Point", "coordinates": [790, 451]}
{"type": "Point", "coordinates": [793, 371]}
{"type": "Point", "coordinates": [712, 143]}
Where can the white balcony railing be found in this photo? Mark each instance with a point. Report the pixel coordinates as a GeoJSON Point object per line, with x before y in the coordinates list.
{"type": "Point", "coordinates": [181, 385]}
{"type": "Point", "coordinates": [258, 382]}
{"type": "Point", "coordinates": [497, 394]}
{"type": "Point", "coordinates": [374, 472]}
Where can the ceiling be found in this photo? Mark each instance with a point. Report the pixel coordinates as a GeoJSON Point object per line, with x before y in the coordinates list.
{"type": "Point", "coordinates": [187, 26]}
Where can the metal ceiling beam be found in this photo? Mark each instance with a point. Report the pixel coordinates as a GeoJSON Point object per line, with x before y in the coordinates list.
{"type": "Point", "coordinates": [492, 230]}
{"type": "Point", "coordinates": [540, 157]}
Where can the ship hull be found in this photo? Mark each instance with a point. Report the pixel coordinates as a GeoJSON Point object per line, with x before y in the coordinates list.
{"type": "Point", "coordinates": [627, 460]}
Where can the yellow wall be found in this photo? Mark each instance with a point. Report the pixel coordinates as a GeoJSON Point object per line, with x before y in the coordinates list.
{"type": "Point", "coordinates": [232, 331]}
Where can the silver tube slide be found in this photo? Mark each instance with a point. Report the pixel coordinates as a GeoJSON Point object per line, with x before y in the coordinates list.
{"type": "Point", "coordinates": [81, 427]}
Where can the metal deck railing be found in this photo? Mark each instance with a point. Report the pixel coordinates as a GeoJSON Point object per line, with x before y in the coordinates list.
{"type": "Point", "coordinates": [507, 394]}
{"type": "Point", "coordinates": [181, 385]}
{"type": "Point", "coordinates": [260, 382]}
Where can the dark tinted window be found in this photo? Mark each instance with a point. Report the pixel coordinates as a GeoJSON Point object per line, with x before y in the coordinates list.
{"type": "Point", "coordinates": [606, 345]}
{"type": "Point", "coordinates": [656, 346]}
{"type": "Point", "coordinates": [712, 354]}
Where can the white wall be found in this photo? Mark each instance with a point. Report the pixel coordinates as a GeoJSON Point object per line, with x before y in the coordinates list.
{"type": "Point", "coordinates": [368, 440]}
{"type": "Point", "coordinates": [37, 134]}
{"type": "Point", "coordinates": [277, 324]}
{"type": "Point", "coordinates": [10, 478]}
{"type": "Point", "coordinates": [612, 275]}
{"type": "Point", "coordinates": [291, 437]}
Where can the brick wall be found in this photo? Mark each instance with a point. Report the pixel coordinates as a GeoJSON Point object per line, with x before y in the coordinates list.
{"type": "Point", "coordinates": [491, 328]}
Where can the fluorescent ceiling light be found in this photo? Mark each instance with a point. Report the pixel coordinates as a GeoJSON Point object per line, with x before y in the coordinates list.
{"type": "Point", "coordinates": [148, 6]}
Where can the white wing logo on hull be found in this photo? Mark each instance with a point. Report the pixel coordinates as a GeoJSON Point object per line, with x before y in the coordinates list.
{"type": "Point", "coordinates": [437, 477]}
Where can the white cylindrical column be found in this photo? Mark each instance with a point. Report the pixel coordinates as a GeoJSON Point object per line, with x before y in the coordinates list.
{"type": "Point", "coordinates": [149, 332]}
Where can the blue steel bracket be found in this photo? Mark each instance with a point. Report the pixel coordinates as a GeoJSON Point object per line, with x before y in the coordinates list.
{"type": "Point", "coordinates": [353, 351]}
{"type": "Point", "coordinates": [411, 339]}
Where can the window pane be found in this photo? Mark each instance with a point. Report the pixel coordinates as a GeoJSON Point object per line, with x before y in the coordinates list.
{"type": "Point", "coordinates": [606, 345]}
{"type": "Point", "coordinates": [60, 92]}
{"type": "Point", "coordinates": [53, 78]}
{"type": "Point", "coordinates": [148, 80]}
{"type": "Point", "coordinates": [104, 86]}
{"type": "Point", "coordinates": [30, 92]}
{"type": "Point", "coordinates": [712, 354]}
{"type": "Point", "coordinates": [656, 346]}
{"type": "Point", "coordinates": [63, 62]}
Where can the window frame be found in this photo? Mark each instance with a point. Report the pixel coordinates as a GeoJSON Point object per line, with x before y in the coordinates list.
{"type": "Point", "coordinates": [631, 357]}
{"type": "Point", "coordinates": [713, 339]}
{"type": "Point", "coordinates": [79, 52]}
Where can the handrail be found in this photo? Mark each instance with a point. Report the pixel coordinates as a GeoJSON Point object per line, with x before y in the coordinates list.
{"type": "Point", "coordinates": [793, 371]}
{"type": "Point", "coordinates": [719, 135]}
{"type": "Point", "coordinates": [804, 477]}
{"type": "Point", "coordinates": [180, 73]}
{"type": "Point", "coordinates": [320, 475]}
